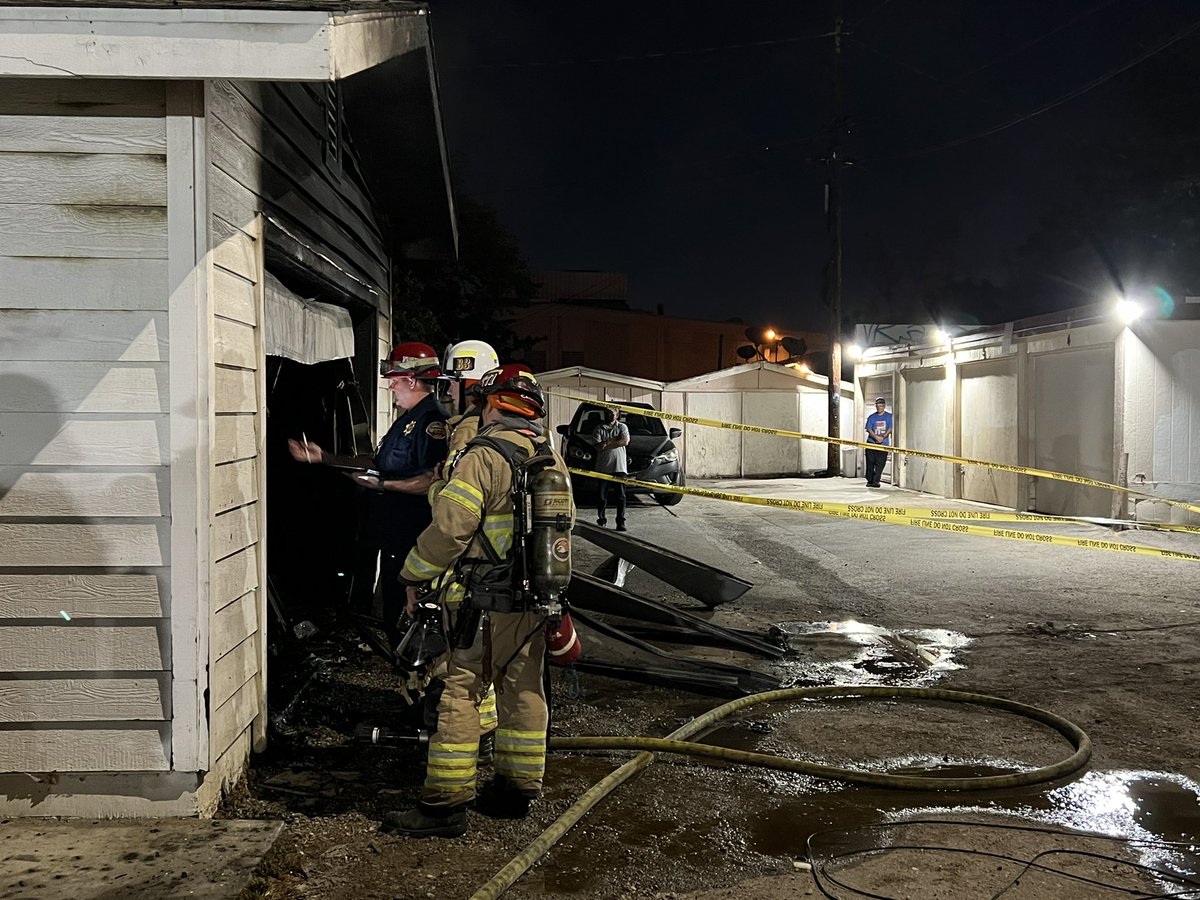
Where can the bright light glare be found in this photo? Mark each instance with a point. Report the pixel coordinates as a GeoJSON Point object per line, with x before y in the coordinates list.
{"type": "Point", "coordinates": [939, 336]}
{"type": "Point", "coordinates": [805, 368]}
{"type": "Point", "coordinates": [855, 352]}
{"type": "Point", "coordinates": [770, 334]}
{"type": "Point", "coordinates": [1127, 311]}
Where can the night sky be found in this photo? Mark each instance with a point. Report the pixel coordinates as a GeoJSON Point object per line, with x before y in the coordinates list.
{"type": "Point", "coordinates": [681, 141]}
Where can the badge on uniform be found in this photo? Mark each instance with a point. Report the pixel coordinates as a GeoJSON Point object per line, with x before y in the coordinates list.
{"type": "Point", "coordinates": [408, 429]}
{"type": "Point", "coordinates": [436, 430]}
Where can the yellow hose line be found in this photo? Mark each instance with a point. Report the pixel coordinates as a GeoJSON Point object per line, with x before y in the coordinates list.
{"type": "Point", "coordinates": [677, 742]}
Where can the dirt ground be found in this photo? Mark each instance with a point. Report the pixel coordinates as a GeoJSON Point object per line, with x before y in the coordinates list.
{"type": "Point", "coordinates": [1106, 640]}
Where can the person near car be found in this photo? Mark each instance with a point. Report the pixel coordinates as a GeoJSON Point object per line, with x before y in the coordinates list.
{"type": "Point", "coordinates": [879, 431]}
{"type": "Point", "coordinates": [414, 446]}
{"type": "Point", "coordinates": [611, 438]}
{"type": "Point", "coordinates": [475, 506]}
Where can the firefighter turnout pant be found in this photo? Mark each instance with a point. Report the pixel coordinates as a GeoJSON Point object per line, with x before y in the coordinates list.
{"type": "Point", "coordinates": [509, 656]}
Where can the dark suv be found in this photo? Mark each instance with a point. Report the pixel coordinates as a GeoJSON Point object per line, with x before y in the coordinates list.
{"type": "Point", "coordinates": [651, 453]}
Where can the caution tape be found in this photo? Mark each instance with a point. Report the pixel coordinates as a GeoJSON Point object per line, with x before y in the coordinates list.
{"type": "Point", "coordinates": [921, 454]}
{"type": "Point", "coordinates": [902, 515]}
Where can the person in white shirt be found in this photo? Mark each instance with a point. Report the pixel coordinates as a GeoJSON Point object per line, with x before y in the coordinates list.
{"type": "Point", "coordinates": [611, 439]}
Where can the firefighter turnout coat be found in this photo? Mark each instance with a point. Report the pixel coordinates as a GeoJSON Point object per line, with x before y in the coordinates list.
{"type": "Point", "coordinates": [476, 505]}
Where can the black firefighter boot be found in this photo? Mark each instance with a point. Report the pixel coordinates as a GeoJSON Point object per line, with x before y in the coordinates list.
{"type": "Point", "coordinates": [428, 821]}
{"type": "Point", "coordinates": [501, 799]}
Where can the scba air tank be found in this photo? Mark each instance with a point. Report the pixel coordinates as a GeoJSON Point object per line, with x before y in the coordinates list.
{"type": "Point", "coordinates": [550, 537]}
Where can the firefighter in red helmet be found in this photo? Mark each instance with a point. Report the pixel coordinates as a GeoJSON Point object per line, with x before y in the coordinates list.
{"type": "Point", "coordinates": [471, 537]}
{"type": "Point", "coordinates": [398, 473]}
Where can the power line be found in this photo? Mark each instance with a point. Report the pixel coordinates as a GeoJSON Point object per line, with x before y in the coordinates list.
{"type": "Point", "coordinates": [1046, 107]}
{"type": "Point", "coordinates": [1021, 48]}
{"type": "Point", "coordinates": [651, 55]}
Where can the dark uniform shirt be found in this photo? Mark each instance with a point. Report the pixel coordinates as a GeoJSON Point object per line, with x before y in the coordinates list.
{"type": "Point", "coordinates": [416, 443]}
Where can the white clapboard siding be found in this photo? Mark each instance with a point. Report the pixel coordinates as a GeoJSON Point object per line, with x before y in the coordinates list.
{"type": "Point", "coordinates": [233, 717]}
{"type": "Point", "coordinates": [235, 390]}
{"type": "Point", "coordinates": [29, 492]}
{"type": "Point", "coordinates": [55, 439]}
{"type": "Point", "coordinates": [232, 625]}
{"type": "Point", "coordinates": [91, 750]}
{"type": "Point", "coordinates": [233, 297]}
{"type": "Point", "coordinates": [83, 700]}
{"type": "Point", "coordinates": [79, 134]}
{"type": "Point", "coordinates": [90, 544]}
{"type": "Point", "coordinates": [231, 671]}
{"type": "Point", "coordinates": [75, 335]}
{"type": "Point", "coordinates": [107, 179]}
{"type": "Point", "coordinates": [234, 250]}
{"type": "Point", "coordinates": [91, 231]}
{"type": "Point", "coordinates": [233, 577]}
{"type": "Point", "coordinates": [234, 344]}
{"type": "Point", "coordinates": [234, 438]}
{"type": "Point", "coordinates": [234, 484]}
{"type": "Point", "coordinates": [44, 596]}
{"type": "Point", "coordinates": [236, 204]}
{"type": "Point", "coordinates": [71, 647]}
{"type": "Point", "coordinates": [93, 387]}
{"type": "Point", "coordinates": [79, 283]}
{"type": "Point", "coordinates": [232, 531]}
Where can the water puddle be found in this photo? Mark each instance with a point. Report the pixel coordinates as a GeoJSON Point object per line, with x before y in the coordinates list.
{"type": "Point", "coordinates": [1137, 830]}
{"type": "Point", "coordinates": [832, 652]}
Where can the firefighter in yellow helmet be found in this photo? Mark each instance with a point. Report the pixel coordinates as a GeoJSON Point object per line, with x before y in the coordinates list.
{"type": "Point", "coordinates": [476, 506]}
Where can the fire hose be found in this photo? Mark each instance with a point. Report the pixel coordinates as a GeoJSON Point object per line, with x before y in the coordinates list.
{"type": "Point", "coordinates": [678, 742]}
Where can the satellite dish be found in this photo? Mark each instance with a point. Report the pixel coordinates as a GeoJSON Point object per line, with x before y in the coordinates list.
{"type": "Point", "coordinates": [746, 352]}
{"type": "Point", "coordinates": [795, 347]}
{"type": "Point", "coordinates": [756, 335]}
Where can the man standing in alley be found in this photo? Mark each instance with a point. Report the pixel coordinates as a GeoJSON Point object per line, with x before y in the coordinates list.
{"type": "Point", "coordinates": [879, 431]}
{"type": "Point", "coordinates": [611, 438]}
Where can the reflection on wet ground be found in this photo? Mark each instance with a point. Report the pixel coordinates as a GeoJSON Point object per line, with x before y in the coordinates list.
{"type": "Point", "coordinates": [834, 652]}
{"type": "Point", "coordinates": [1136, 832]}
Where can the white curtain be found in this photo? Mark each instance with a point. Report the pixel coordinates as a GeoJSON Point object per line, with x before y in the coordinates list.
{"type": "Point", "coordinates": [305, 330]}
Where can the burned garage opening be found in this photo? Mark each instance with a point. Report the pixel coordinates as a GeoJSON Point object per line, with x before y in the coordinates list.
{"type": "Point", "coordinates": [321, 565]}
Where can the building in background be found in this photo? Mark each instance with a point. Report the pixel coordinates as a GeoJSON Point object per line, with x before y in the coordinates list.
{"type": "Point", "coordinates": [583, 318]}
{"type": "Point", "coordinates": [758, 393]}
{"type": "Point", "coordinates": [1084, 392]}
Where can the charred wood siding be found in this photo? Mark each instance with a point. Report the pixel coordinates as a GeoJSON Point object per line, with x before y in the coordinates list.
{"type": "Point", "coordinates": [272, 173]}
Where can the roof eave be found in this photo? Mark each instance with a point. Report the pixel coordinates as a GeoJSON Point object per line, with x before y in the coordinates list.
{"type": "Point", "coordinates": [197, 43]}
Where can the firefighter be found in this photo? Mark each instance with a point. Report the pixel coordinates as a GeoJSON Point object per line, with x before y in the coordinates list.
{"type": "Point", "coordinates": [465, 364]}
{"type": "Point", "coordinates": [476, 505]}
{"type": "Point", "coordinates": [413, 447]}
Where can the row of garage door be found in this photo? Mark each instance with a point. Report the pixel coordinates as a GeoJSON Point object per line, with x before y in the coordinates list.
{"type": "Point", "coordinates": [973, 411]}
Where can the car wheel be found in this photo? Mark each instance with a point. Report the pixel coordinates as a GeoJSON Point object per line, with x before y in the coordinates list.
{"type": "Point", "coordinates": [670, 499]}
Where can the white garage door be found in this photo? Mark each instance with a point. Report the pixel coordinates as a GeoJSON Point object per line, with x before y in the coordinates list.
{"type": "Point", "coordinates": [1073, 428]}
{"type": "Point", "coordinates": [923, 425]}
{"type": "Point", "coordinates": [989, 429]}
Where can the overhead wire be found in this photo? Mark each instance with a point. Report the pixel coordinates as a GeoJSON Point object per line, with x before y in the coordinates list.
{"type": "Point", "coordinates": [1049, 105]}
{"type": "Point", "coordinates": [653, 54]}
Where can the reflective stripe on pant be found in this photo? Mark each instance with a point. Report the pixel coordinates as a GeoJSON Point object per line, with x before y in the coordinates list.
{"type": "Point", "coordinates": [521, 707]}
{"type": "Point", "coordinates": [487, 712]}
{"type": "Point", "coordinates": [520, 698]}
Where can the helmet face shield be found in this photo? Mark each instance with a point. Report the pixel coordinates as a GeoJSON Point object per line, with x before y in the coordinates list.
{"type": "Point", "coordinates": [513, 389]}
{"type": "Point", "coordinates": [412, 358]}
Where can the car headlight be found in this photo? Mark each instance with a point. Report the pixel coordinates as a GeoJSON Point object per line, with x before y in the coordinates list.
{"type": "Point", "coordinates": [667, 456]}
{"type": "Point", "coordinates": [580, 453]}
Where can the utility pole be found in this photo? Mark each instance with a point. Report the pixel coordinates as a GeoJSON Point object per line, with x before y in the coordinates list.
{"type": "Point", "coordinates": [833, 280]}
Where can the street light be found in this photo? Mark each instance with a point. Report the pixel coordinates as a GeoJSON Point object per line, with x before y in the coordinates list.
{"type": "Point", "coordinates": [1127, 311]}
